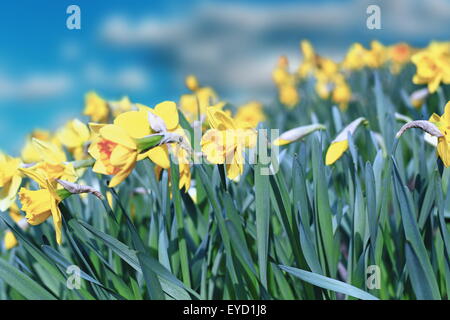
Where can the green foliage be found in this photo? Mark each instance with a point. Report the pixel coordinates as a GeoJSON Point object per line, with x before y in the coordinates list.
{"type": "Point", "coordinates": [308, 231]}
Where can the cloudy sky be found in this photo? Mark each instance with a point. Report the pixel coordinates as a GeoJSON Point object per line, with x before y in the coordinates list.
{"type": "Point", "coordinates": [146, 48]}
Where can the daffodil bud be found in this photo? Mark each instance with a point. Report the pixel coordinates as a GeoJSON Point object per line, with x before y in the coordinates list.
{"type": "Point", "coordinates": [424, 125]}
{"type": "Point", "coordinates": [75, 188]}
{"type": "Point", "coordinates": [340, 144]}
{"type": "Point", "coordinates": [297, 134]}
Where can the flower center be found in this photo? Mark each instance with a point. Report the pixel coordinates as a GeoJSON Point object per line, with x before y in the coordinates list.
{"type": "Point", "coordinates": [106, 147]}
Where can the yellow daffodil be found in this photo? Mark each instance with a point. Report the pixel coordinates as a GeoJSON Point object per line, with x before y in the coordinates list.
{"type": "Point", "coordinates": [40, 204]}
{"type": "Point", "coordinates": [280, 74]}
{"type": "Point", "coordinates": [64, 171]}
{"type": "Point", "coordinates": [376, 56]}
{"type": "Point", "coordinates": [115, 152]}
{"type": "Point", "coordinates": [433, 66]}
{"type": "Point", "coordinates": [323, 86]}
{"type": "Point", "coordinates": [225, 142]}
{"type": "Point", "coordinates": [168, 113]}
{"type": "Point", "coordinates": [443, 124]}
{"type": "Point", "coordinates": [96, 107]}
{"type": "Point", "coordinates": [29, 152]}
{"type": "Point", "coordinates": [289, 96]}
{"type": "Point", "coordinates": [286, 83]}
{"type": "Point", "coordinates": [399, 54]}
{"type": "Point", "coordinates": [9, 239]}
{"type": "Point", "coordinates": [53, 162]}
{"type": "Point", "coordinates": [74, 136]}
{"type": "Point", "coordinates": [249, 115]}
{"type": "Point", "coordinates": [309, 62]}
{"type": "Point", "coordinates": [192, 83]}
{"type": "Point", "coordinates": [342, 93]}
{"type": "Point", "coordinates": [194, 105]}
{"type": "Point", "coordinates": [121, 106]}
{"type": "Point", "coordinates": [116, 148]}
{"type": "Point", "coordinates": [340, 144]}
{"type": "Point", "coordinates": [355, 58]}
{"type": "Point", "coordinates": [183, 160]}
{"type": "Point", "coordinates": [10, 180]}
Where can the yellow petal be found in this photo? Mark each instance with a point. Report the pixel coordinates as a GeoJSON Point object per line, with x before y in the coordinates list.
{"type": "Point", "coordinates": [120, 156]}
{"type": "Point", "coordinates": [335, 151]}
{"type": "Point", "coordinates": [95, 127]}
{"type": "Point", "coordinates": [10, 240]}
{"type": "Point", "coordinates": [57, 220]}
{"type": "Point", "coordinates": [160, 156]}
{"type": "Point", "coordinates": [118, 135]}
{"type": "Point", "coordinates": [135, 123]}
{"type": "Point", "coordinates": [123, 173]}
{"type": "Point", "coordinates": [167, 110]}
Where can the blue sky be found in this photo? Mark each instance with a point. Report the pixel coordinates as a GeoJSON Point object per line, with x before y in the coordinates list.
{"type": "Point", "coordinates": [145, 48]}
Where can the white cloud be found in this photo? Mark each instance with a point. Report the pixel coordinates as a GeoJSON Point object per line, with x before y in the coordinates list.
{"type": "Point", "coordinates": [34, 86]}
{"type": "Point", "coordinates": [127, 78]}
{"type": "Point", "coordinates": [70, 50]}
{"type": "Point", "coordinates": [226, 44]}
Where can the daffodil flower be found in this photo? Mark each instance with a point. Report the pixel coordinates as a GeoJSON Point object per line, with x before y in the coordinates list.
{"type": "Point", "coordinates": [9, 239]}
{"type": "Point", "coordinates": [54, 162]}
{"type": "Point", "coordinates": [443, 124]}
{"type": "Point", "coordinates": [225, 142]}
{"type": "Point", "coordinates": [433, 66]}
{"type": "Point", "coordinates": [249, 115]}
{"type": "Point", "coordinates": [131, 138]}
{"type": "Point", "coordinates": [115, 152]}
{"type": "Point", "coordinates": [194, 105]}
{"type": "Point", "coordinates": [287, 84]}
{"type": "Point", "coordinates": [164, 119]}
{"type": "Point", "coordinates": [340, 144]}
{"type": "Point", "coordinates": [377, 56]}
{"type": "Point", "coordinates": [29, 153]}
{"type": "Point", "coordinates": [74, 136]}
{"type": "Point", "coordinates": [10, 180]}
{"type": "Point", "coordinates": [121, 106]}
{"type": "Point", "coordinates": [342, 93]}
{"type": "Point", "coordinates": [436, 127]}
{"type": "Point", "coordinates": [399, 54]}
{"type": "Point", "coordinates": [297, 134]}
{"type": "Point", "coordinates": [96, 107]}
{"type": "Point", "coordinates": [355, 58]}
{"type": "Point", "coordinates": [40, 204]}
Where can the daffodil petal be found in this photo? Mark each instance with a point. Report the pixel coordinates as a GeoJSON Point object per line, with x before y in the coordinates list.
{"type": "Point", "coordinates": [335, 151]}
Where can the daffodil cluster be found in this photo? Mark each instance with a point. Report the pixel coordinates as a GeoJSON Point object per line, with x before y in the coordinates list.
{"type": "Point", "coordinates": [120, 134]}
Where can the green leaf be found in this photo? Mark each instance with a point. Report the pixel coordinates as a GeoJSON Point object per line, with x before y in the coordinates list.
{"type": "Point", "coordinates": [29, 288]}
{"type": "Point", "coordinates": [262, 220]}
{"type": "Point", "coordinates": [329, 283]}
{"type": "Point", "coordinates": [423, 278]}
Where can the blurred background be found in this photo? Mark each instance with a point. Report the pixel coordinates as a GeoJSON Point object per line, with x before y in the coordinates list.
{"type": "Point", "coordinates": [144, 49]}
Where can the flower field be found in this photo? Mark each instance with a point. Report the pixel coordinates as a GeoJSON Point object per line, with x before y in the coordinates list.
{"type": "Point", "coordinates": [336, 189]}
